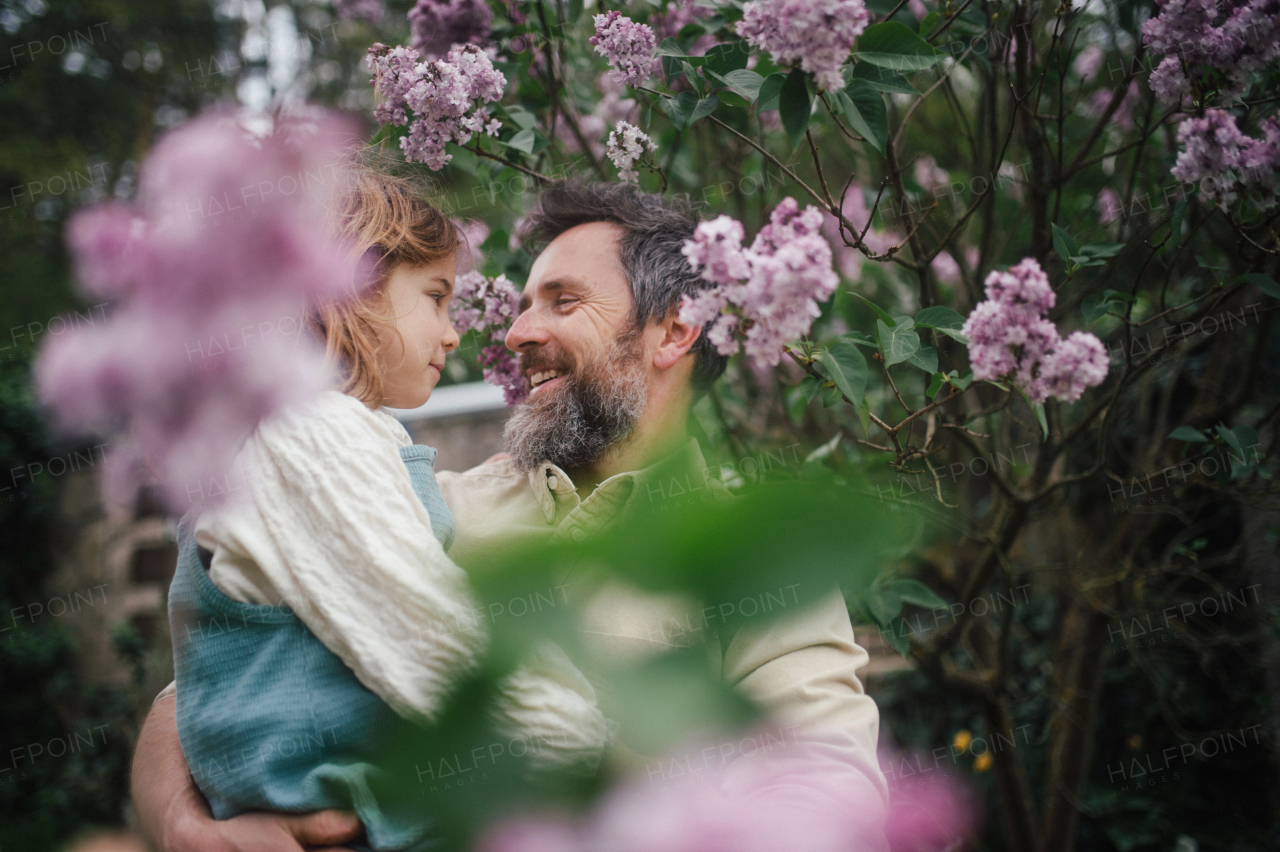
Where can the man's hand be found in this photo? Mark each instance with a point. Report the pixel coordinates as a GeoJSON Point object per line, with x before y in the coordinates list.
{"type": "Point", "coordinates": [175, 817]}
{"type": "Point", "coordinates": [262, 832]}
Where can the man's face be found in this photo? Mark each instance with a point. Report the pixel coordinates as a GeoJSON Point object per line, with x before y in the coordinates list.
{"type": "Point", "coordinates": [583, 360]}
{"type": "Point", "coordinates": [575, 303]}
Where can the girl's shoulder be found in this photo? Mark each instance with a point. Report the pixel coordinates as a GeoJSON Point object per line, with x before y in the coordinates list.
{"type": "Point", "coordinates": [332, 422]}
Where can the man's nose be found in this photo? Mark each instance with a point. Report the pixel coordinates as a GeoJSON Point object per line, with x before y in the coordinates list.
{"type": "Point", "coordinates": [526, 331]}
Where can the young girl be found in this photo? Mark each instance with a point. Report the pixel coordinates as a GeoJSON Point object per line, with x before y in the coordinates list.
{"type": "Point", "coordinates": [323, 615]}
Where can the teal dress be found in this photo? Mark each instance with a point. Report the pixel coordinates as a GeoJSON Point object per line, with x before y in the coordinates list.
{"type": "Point", "coordinates": [272, 720]}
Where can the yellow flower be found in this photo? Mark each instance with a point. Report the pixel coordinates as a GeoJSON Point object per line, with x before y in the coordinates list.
{"type": "Point", "coordinates": [962, 740]}
{"type": "Point", "coordinates": [983, 763]}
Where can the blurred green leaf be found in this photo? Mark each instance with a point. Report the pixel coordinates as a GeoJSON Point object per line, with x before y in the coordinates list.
{"type": "Point", "coordinates": [770, 92]}
{"type": "Point", "coordinates": [864, 108]}
{"type": "Point", "coordinates": [1265, 283]}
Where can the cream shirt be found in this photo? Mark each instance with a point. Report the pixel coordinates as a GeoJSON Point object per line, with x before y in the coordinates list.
{"type": "Point", "coordinates": [799, 667]}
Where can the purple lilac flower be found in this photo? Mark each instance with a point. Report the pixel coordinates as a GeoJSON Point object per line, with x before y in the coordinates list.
{"type": "Point", "coordinates": [488, 307]}
{"type": "Point", "coordinates": [815, 34]}
{"type": "Point", "coordinates": [205, 336]}
{"type": "Point", "coordinates": [372, 11]}
{"type": "Point", "coordinates": [627, 145]}
{"type": "Point", "coordinates": [1010, 339]}
{"type": "Point", "coordinates": [1225, 162]}
{"type": "Point", "coordinates": [1210, 45]}
{"type": "Point", "coordinates": [436, 26]}
{"type": "Point", "coordinates": [770, 291]}
{"type": "Point", "coordinates": [446, 96]}
{"type": "Point", "coordinates": [628, 46]}
{"type": "Point", "coordinates": [608, 111]}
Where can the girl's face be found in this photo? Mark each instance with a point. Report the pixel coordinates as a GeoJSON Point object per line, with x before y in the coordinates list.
{"type": "Point", "coordinates": [412, 360]}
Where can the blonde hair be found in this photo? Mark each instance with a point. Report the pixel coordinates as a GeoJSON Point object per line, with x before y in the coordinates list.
{"type": "Point", "coordinates": [387, 218]}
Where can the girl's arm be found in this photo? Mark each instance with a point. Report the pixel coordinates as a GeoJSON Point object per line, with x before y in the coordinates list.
{"type": "Point", "coordinates": [335, 531]}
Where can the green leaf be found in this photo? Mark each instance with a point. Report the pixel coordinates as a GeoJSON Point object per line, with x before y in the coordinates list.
{"type": "Point", "coordinates": [880, 312]}
{"type": "Point", "coordinates": [795, 106]}
{"type": "Point", "coordinates": [770, 90]}
{"type": "Point", "coordinates": [703, 108]}
{"type": "Point", "coordinates": [1063, 243]}
{"type": "Point", "coordinates": [688, 103]}
{"type": "Point", "coordinates": [733, 99]}
{"type": "Point", "coordinates": [864, 416]}
{"type": "Point", "coordinates": [929, 23]}
{"type": "Point", "coordinates": [743, 82]}
{"type": "Point", "coordinates": [1094, 308]}
{"type": "Point", "coordinates": [1263, 282]}
{"type": "Point", "coordinates": [830, 396]}
{"type": "Point", "coordinates": [1232, 440]}
{"type": "Point", "coordinates": [860, 339]}
{"type": "Point", "coordinates": [824, 451]}
{"type": "Point", "coordinates": [1101, 249]}
{"type": "Point", "coordinates": [523, 141]}
{"type": "Point", "coordinates": [521, 117]}
{"type": "Point", "coordinates": [882, 79]}
{"type": "Point", "coordinates": [896, 633]}
{"type": "Point", "coordinates": [1044, 421]}
{"type": "Point", "coordinates": [893, 45]}
{"type": "Point", "coordinates": [846, 367]}
{"type": "Point", "coordinates": [1188, 433]}
{"type": "Point", "coordinates": [724, 58]}
{"type": "Point", "coordinates": [935, 385]}
{"type": "Point", "coordinates": [899, 342]}
{"type": "Point", "coordinates": [672, 108]}
{"type": "Point", "coordinates": [884, 605]}
{"type": "Point", "coordinates": [960, 382]}
{"type": "Point", "coordinates": [809, 387]}
{"type": "Point", "coordinates": [864, 108]}
{"type": "Point", "coordinates": [926, 358]}
{"type": "Point", "coordinates": [916, 593]}
{"type": "Point", "coordinates": [944, 320]}
{"type": "Point", "coordinates": [670, 47]}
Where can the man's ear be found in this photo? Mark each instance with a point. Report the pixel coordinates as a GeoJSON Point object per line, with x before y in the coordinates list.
{"type": "Point", "coordinates": [676, 341]}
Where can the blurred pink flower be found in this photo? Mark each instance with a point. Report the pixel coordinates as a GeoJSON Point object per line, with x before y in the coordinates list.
{"type": "Point", "coordinates": [945, 267]}
{"type": "Point", "coordinates": [849, 259]}
{"type": "Point", "coordinates": [474, 233]}
{"type": "Point", "coordinates": [786, 802]}
{"type": "Point", "coordinates": [372, 11]}
{"type": "Point", "coordinates": [439, 25]}
{"type": "Point", "coordinates": [1109, 206]}
{"type": "Point", "coordinates": [1088, 61]}
{"type": "Point", "coordinates": [211, 276]}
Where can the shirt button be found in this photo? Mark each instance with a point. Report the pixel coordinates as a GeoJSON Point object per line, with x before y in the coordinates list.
{"type": "Point", "coordinates": [578, 535]}
{"type": "Point", "coordinates": [552, 482]}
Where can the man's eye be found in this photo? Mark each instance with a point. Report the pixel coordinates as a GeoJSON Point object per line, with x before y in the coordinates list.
{"type": "Point", "coordinates": [560, 303]}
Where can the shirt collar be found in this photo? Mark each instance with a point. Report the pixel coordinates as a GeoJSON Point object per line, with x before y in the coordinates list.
{"type": "Point", "coordinates": [549, 483]}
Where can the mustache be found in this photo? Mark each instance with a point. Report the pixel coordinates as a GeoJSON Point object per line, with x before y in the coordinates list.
{"type": "Point", "coordinates": [532, 361]}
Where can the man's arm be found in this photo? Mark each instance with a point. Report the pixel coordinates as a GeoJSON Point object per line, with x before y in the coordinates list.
{"type": "Point", "coordinates": [174, 817]}
{"type": "Point", "coordinates": [800, 668]}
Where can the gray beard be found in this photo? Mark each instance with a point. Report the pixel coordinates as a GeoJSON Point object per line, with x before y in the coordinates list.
{"type": "Point", "coordinates": [595, 408]}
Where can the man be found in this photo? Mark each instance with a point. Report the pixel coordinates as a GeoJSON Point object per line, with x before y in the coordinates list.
{"type": "Point", "coordinates": [613, 374]}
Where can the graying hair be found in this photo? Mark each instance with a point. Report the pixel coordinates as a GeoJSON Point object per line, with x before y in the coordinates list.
{"type": "Point", "coordinates": [654, 231]}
